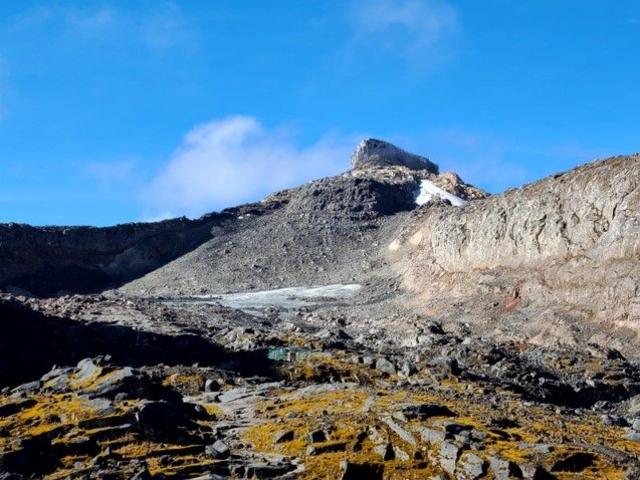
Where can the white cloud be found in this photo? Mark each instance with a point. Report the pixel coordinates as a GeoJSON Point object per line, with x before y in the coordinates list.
{"type": "Point", "coordinates": [93, 21]}
{"type": "Point", "coordinates": [161, 28]}
{"type": "Point", "coordinates": [408, 27]}
{"type": "Point", "coordinates": [167, 27]}
{"type": "Point", "coordinates": [234, 160]}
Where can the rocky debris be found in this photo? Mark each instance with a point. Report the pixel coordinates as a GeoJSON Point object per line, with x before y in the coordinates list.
{"type": "Point", "coordinates": [453, 184]}
{"type": "Point", "coordinates": [323, 407]}
{"type": "Point", "coordinates": [211, 385]}
{"type": "Point", "coordinates": [432, 436]}
{"type": "Point", "coordinates": [372, 152]}
{"type": "Point", "coordinates": [403, 433]}
{"type": "Point", "coordinates": [164, 421]}
{"type": "Point", "coordinates": [68, 341]}
{"type": "Point", "coordinates": [83, 417]}
{"type": "Point", "coordinates": [633, 433]}
{"type": "Point", "coordinates": [325, 233]}
{"type": "Point", "coordinates": [268, 470]}
{"type": "Point", "coordinates": [407, 369]}
{"type": "Point", "coordinates": [536, 472]}
{"type": "Point", "coordinates": [569, 377]}
{"type": "Point", "coordinates": [633, 436]}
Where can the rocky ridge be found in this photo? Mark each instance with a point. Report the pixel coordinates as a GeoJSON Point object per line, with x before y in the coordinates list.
{"type": "Point", "coordinates": [557, 260]}
{"type": "Point", "coordinates": [47, 261]}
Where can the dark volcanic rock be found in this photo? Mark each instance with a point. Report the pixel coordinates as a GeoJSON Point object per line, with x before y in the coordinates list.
{"type": "Point", "coordinates": [47, 261]}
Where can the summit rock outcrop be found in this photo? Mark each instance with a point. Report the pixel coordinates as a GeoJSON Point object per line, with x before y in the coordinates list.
{"type": "Point", "coordinates": [378, 152]}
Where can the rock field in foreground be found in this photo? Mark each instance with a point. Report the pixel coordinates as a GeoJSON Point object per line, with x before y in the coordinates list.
{"type": "Point", "coordinates": [308, 397]}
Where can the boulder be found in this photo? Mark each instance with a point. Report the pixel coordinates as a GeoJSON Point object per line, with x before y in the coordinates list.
{"type": "Point", "coordinates": [471, 467]}
{"type": "Point", "coordinates": [432, 436]}
{"type": "Point", "coordinates": [385, 366]}
{"type": "Point", "coordinates": [504, 469]}
{"type": "Point", "coordinates": [449, 454]}
{"type": "Point", "coordinates": [385, 452]}
{"type": "Point", "coordinates": [219, 449]}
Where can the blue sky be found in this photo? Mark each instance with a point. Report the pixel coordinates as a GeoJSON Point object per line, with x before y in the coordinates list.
{"type": "Point", "coordinates": [125, 111]}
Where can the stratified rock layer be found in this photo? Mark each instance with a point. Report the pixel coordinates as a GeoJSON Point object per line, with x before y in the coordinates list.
{"type": "Point", "coordinates": [544, 259]}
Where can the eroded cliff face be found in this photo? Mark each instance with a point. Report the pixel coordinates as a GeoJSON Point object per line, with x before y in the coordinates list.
{"type": "Point", "coordinates": [565, 248]}
{"type": "Point", "coordinates": [47, 261]}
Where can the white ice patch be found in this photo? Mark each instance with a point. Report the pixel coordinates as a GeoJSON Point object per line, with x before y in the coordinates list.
{"type": "Point", "coordinates": [282, 298]}
{"type": "Point", "coordinates": [428, 190]}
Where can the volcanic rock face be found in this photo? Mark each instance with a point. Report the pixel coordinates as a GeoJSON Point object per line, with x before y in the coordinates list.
{"type": "Point", "coordinates": [389, 322]}
{"type": "Point", "coordinates": [372, 152]}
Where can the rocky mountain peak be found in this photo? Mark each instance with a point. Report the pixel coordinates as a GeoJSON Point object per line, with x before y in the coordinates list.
{"type": "Point", "coordinates": [373, 152]}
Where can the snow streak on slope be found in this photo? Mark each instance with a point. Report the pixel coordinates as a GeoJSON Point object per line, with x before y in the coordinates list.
{"type": "Point", "coordinates": [428, 190]}
{"type": "Point", "coordinates": [282, 298]}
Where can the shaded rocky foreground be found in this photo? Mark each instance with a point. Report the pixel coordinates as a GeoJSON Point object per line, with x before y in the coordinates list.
{"type": "Point", "coordinates": [110, 387]}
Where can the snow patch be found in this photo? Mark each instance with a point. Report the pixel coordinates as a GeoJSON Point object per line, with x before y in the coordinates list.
{"type": "Point", "coordinates": [282, 298]}
{"type": "Point", "coordinates": [428, 190]}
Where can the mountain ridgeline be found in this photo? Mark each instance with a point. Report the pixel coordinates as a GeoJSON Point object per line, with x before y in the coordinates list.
{"type": "Point", "coordinates": [389, 322]}
{"type": "Point", "coordinates": [547, 256]}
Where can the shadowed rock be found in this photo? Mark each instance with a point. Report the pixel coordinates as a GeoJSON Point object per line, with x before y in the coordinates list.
{"type": "Point", "coordinates": [28, 353]}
